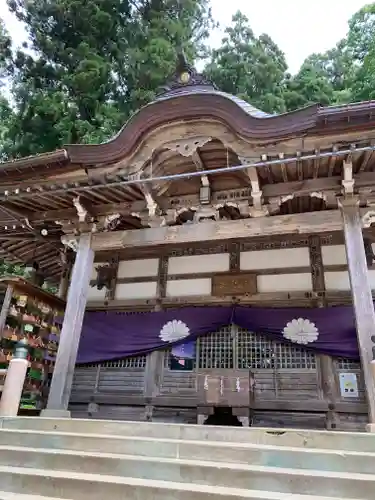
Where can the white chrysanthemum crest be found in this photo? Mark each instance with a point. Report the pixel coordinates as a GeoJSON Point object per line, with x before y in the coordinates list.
{"type": "Point", "coordinates": [174, 330]}
{"type": "Point", "coordinates": [301, 331]}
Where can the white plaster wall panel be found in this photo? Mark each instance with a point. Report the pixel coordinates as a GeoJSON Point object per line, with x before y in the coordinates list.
{"type": "Point", "coordinates": [213, 263]}
{"type": "Point", "coordinates": [94, 273]}
{"type": "Point", "coordinates": [337, 280]}
{"type": "Point", "coordinates": [185, 288]}
{"type": "Point", "coordinates": [274, 259]}
{"type": "Point", "coordinates": [300, 282]}
{"type": "Point", "coordinates": [333, 255]}
{"type": "Point", "coordinates": [95, 294]}
{"type": "Point", "coordinates": [132, 291]}
{"type": "Point", "coordinates": [138, 268]}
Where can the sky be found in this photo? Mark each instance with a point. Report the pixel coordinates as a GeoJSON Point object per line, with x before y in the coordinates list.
{"type": "Point", "coordinates": [299, 27]}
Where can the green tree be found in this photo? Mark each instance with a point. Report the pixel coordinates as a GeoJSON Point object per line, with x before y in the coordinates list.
{"type": "Point", "coordinates": [158, 30]}
{"type": "Point", "coordinates": [360, 46]}
{"type": "Point", "coordinates": [309, 86]}
{"type": "Point", "coordinates": [89, 65]}
{"type": "Point", "coordinates": [6, 69]}
{"type": "Point", "coordinates": [250, 67]}
{"type": "Point", "coordinates": [361, 33]}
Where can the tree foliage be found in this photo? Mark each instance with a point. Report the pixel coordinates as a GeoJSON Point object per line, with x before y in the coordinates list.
{"type": "Point", "coordinates": [88, 66]}
{"type": "Point", "coordinates": [251, 67]}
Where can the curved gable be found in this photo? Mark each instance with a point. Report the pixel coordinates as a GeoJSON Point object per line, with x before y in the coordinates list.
{"type": "Point", "coordinates": [237, 115]}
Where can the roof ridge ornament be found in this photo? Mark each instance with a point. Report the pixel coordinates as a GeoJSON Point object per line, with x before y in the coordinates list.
{"type": "Point", "coordinates": [185, 75]}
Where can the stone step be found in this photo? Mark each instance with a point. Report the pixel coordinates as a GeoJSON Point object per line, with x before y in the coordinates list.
{"type": "Point", "coordinates": [247, 477]}
{"type": "Point", "coordinates": [80, 486]}
{"type": "Point", "coordinates": [347, 441]}
{"type": "Point", "coordinates": [6, 495]}
{"type": "Point", "coordinates": [242, 453]}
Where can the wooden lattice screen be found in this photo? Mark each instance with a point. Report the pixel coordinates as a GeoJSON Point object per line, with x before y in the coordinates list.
{"type": "Point", "coordinates": [232, 347]}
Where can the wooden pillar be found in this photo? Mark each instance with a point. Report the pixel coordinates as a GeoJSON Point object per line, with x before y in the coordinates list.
{"type": "Point", "coordinates": [62, 379]}
{"type": "Point", "coordinates": [325, 362]}
{"type": "Point", "coordinates": [64, 281]}
{"type": "Point", "coordinates": [361, 293]}
{"type": "Point", "coordinates": [155, 360]}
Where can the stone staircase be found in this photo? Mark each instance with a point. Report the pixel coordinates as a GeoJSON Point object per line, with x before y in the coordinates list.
{"type": "Point", "coordinates": [42, 459]}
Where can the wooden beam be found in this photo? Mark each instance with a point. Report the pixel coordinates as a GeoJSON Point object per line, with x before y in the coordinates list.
{"type": "Point", "coordinates": [332, 162]}
{"type": "Point", "coordinates": [325, 363]}
{"type": "Point", "coordinates": [96, 210]}
{"type": "Point", "coordinates": [151, 204]}
{"type": "Point", "coordinates": [256, 192]}
{"type": "Point", "coordinates": [366, 159]}
{"type": "Point", "coordinates": [199, 165]}
{"type": "Point", "coordinates": [314, 222]}
{"type": "Point", "coordinates": [155, 360]}
{"type": "Point", "coordinates": [29, 237]}
{"type": "Point", "coordinates": [284, 169]}
{"type": "Point", "coordinates": [348, 181]}
{"type": "Point", "coordinates": [298, 188]}
{"type": "Point", "coordinates": [271, 299]}
{"type": "Point", "coordinates": [15, 212]}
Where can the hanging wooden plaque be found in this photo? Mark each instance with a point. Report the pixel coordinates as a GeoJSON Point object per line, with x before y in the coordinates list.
{"type": "Point", "coordinates": [234, 284]}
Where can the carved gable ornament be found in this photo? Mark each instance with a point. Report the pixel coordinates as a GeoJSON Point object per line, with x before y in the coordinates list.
{"type": "Point", "coordinates": [185, 76]}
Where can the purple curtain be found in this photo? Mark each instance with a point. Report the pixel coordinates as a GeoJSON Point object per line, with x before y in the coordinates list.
{"type": "Point", "coordinates": [114, 335]}
{"type": "Point", "coordinates": [335, 328]}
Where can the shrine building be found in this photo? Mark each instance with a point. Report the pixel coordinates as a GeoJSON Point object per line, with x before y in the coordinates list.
{"type": "Point", "coordinates": [217, 262]}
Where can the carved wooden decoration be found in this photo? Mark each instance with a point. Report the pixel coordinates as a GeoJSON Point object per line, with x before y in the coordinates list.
{"type": "Point", "coordinates": [234, 257]}
{"type": "Point", "coordinates": [316, 264]}
{"type": "Point", "coordinates": [234, 284]}
{"type": "Point", "coordinates": [373, 347]}
{"type": "Point", "coordinates": [187, 147]}
{"type": "Point", "coordinates": [106, 274]}
{"type": "Point", "coordinates": [370, 257]}
{"type": "Point", "coordinates": [162, 276]}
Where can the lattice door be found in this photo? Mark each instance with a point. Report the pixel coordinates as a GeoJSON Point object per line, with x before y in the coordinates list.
{"type": "Point", "coordinates": [275, 369]}
{"type": "Point", "coordinates": [218, 380]}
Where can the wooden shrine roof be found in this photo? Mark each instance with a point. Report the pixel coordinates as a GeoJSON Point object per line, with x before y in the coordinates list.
{"type": "Point", "coordinates": [37, 194]}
